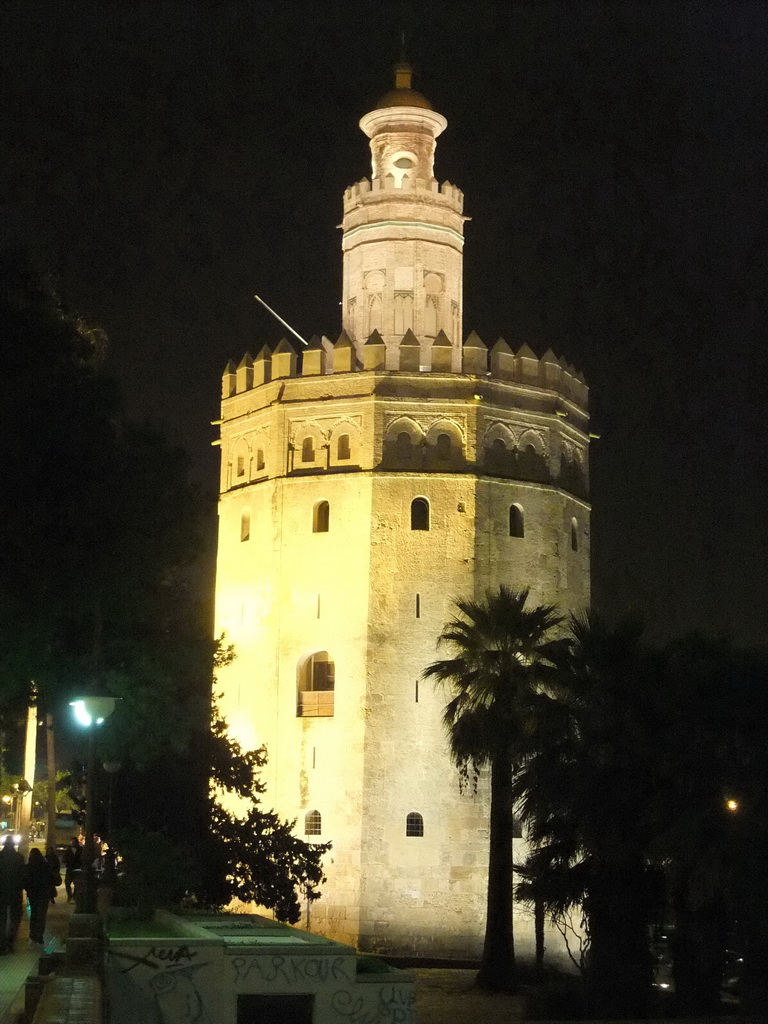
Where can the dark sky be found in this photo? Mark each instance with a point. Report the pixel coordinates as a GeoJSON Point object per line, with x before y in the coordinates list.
{"type": "Point", "coordinates": [169, 160]}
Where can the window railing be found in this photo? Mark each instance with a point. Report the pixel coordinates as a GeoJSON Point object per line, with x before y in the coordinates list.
{"type": "Point", "coordinates": [315, 704]}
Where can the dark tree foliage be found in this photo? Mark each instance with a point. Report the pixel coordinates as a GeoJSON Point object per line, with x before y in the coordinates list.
{"type": "Point", "coordinates": [255, 856]}
{"type": "Point", "coordinates": [101, 569]}
{"type": "Point", "coordinates": [625, 791]}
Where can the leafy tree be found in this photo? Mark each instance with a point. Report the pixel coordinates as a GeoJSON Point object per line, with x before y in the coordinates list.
{"type": "Point", "coordinates": [503, 656]}
{"type": "Point", "coordinates": [251, 854]}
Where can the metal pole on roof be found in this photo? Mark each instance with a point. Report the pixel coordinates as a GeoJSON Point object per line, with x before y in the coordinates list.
{"type": "Point", "coordinates": [278, 317]}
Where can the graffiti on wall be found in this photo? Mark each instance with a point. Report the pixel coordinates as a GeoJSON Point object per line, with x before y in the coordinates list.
{"type": "Point", "coordinates": [291, 970]}
{"type": "Point", "coordinates": [173, 983]}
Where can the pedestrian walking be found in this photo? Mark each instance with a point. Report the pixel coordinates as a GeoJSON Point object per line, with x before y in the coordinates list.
{"type": "Point", "coordinates": [53, 862]}
{"type": "Point", "coordinates": [11, 892]}
{"type": "Point", "coordinates": [38, 880]}
{"type": "Point", "coordinates": [73, 861]}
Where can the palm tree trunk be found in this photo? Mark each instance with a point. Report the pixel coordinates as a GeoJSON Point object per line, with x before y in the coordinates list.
{"type": "Point", "coordinates": [497, 967]}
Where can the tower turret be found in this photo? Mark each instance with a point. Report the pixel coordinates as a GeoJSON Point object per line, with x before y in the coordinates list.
{"type": "Point", "coordinates": [403, 233]}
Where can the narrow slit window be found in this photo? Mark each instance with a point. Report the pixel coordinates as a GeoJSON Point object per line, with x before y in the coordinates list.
{"type": "Point", "coordinates": [314, 757]}
{"type": "Point", "coordinates": [574, 535]}
{"type": "Point", "coordinates": [420, 514]}
{"type": "Point", "coordinates": [321, 515]}
{"type": "Point", "coordinates": [245, 526]}
{"type": "Point", "coordinates": [260, 459]}
{"type": "Point", "coordinates": [241, 465]}
{"type": "Point", "coordinates": [418, 606]}
{"type": "Point", "coordinates": [343, 450]}
{"type": "Point", "coordinates": [516, 521]}
{"type": "Point", "coordinates": [308, 450]}
{"type": "Point", "coordinates": [313, 823]}
{"type": "Point", "coordinates": [414, 825]}
{"type": "Point", "coordinates": [416, 692]}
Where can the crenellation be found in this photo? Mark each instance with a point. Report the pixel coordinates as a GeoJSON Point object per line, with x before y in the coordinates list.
{"type": "Point", "coordinates": [551, 370]}
{"type": "Point", "coordinates": [474, 355]}
{"type": "Point", "coordinates": [374, 352]}
{"type": "Point", "coordinates": [442, 354]}
{"type": "Point", "coordinates": [283, 360]}
{"type": "Point", "coordinates": [262, 367]}
{"type": "Point", "coordinates": [244, 374]}
{"type": "Point", "coordinates": [344, 359]}
{"type": "Point", "coordinates": [502, 360]}
{"type": "Point", "coordinates": [313, 358]}
{"type": "Point", "coordinates": [229, 380]}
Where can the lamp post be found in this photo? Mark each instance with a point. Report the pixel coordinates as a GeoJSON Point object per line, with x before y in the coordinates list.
{"type": "Point", "coordinates": [111, 768]}
{"type": "Point", "coordinates": [90, 712]}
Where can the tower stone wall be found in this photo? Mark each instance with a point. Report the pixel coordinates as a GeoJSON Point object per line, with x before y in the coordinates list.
{"type": "Point", "coordinates": [365, 485]}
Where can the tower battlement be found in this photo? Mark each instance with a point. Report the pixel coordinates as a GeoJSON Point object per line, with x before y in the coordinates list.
{"type": "Point", "coordinates": [323, 357]}
{"type": "Point", "coordinates": [365, 190]}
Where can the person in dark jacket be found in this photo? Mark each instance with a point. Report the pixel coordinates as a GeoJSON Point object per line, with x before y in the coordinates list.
{"type": "Point", "coordinates": [38, 880]}
{"type": "Point", "coordinates": [53, 862]}
{"type": "Point", "coordinates": [11, 889]}
{"type": "Point", "coordinates": [73, 860]}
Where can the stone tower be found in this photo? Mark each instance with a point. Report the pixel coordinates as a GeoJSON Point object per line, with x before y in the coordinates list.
{"type": "Point", "coordinates": [365, 484]}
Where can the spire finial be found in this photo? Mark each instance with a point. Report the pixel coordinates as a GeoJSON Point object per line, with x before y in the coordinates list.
{"type": "Point", "coordinates": [403, 70]}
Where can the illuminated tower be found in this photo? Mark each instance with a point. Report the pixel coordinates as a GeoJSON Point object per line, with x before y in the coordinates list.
{"type": "Point", "coordinates": [365, 484]}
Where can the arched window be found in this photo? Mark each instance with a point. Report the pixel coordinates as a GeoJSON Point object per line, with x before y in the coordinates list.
{"type": "Point", "coordinates": [308, 449]}
{"type": "Point", "coordinates": [574, 535]}
{"type": "Point", "coordinates": [414, 825]}
{"type": "Point", "coordinates": [443, 446]}
{"type": "Point", "coordinates": [374, 314]}
{"type": "Point", "coordinates": [342, 447]}
{"type": "Point", "coordinates": [321, 517]}
{"type": "Point", "coordinates": [315, 686]}
{"type": "Point", "coordinates": [419, 514]}
{"type": "Point", "coordinates": [245, 526]}
{"type": "Point", "coordinates": [516, 521]}
{"type": "Point", "coordinates": [313, 823]}
{"type": "Point", "coordinates": [260, 459]}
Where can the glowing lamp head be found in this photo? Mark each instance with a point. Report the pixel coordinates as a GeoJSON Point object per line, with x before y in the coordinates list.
{"type": "Point", "coordinates": [92, 710]}
{"type": "Point", "coordinates": [732, 805]}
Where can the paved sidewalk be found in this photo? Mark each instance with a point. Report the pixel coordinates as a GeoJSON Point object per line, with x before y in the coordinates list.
{"type": "Point", "coordinates": [17, 966]}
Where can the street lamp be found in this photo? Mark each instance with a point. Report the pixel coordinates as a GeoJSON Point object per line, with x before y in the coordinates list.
{"type": "Point", "coordinates": [90, 711]}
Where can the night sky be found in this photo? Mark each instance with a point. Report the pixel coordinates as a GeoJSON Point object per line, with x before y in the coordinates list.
{"type": "Point", "coordinates": [169, 160]}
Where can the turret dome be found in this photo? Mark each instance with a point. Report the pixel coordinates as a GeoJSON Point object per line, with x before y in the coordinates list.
{"type": "Point", "coordinates": [403, 95]}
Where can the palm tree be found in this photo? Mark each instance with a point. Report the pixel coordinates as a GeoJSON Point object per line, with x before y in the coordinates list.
{"type": "Point", "coordinates": [503, 655]}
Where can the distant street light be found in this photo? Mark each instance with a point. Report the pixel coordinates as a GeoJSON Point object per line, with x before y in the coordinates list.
{"type": "Point", "coordinates": [90, 711]}
{"type": "Point", "coordinates": [732, 805]}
